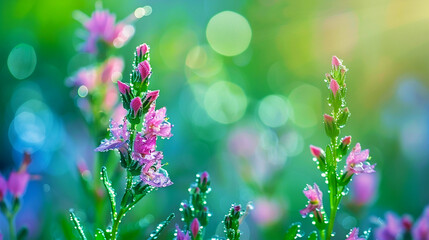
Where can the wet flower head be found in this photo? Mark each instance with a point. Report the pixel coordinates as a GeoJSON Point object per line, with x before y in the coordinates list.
{"type": "Point", "coordinates": [356, 161]}
{"type": "Point", "coordinates": [314, 196]}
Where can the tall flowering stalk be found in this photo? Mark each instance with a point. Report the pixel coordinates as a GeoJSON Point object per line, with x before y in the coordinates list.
{"type": "Point", "coordinates": [196, 214]}
{"type": "Point", "coordinates": [135, 138]}
{"type": "Point", "coordinates": [328, 161]}
{"type": "Point", "coordinates": [94, 88]}
{"type": "Point", "coordinates": [15, 185]}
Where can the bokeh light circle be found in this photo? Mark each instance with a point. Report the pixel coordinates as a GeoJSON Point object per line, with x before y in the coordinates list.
{"type": "Point", "coordinates": [273, 111]}
{"type": "Point", "coordinates": [225, 102]}
{"type": "Point", "coordinates": [22, 61]}
{"type": "Point", "coordinates": [229, 33]}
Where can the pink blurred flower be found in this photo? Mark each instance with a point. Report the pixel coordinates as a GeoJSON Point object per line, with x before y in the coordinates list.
{"type": "Point", "coordinates": [112, 69]}
{"type": "Point", "coordinates": [102, 26]}
{"type": "Point", "coordinates": [86, 77]}
{"type": "Point", "coordinates": [144, 69]}
{"type": "Point", "coordinates": [354, 235]}
{"type": "Point", "coordinates": [314, 196]}
{"type": "Point", "coordinates": [266, 211]}
{"type": "Point", "coordinates": [333, 85]}
{"type": "Point", "coordinates": [119, 113]}
{"type": "Point", "coordinates": [243, 142]}
{"type": "Point", "coordinates": [364, 187]}
{"type": "Point", "coordinates": [195, 227]}
{"type": "Point", "coordinates": [356, 161]}
{"type": "Point", "coordinates": [391, 229]}
{"type": "Point", "coordinates": [3, 187]}
{"type": "Point", "coordinates": [110, 99]}
{"type": "Point", "coordinates": [155, 122]}
{"type": "Point", "coordinates": [17, 183]}
{"type": "Point", "coordinates": [421, 228]}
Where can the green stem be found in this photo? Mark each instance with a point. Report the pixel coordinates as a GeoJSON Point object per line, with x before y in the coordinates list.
{"type": "Point", "coordinates": [333, 188]}
{"type": "Point", "coordinates": [122, 210]}
{"type": "Point", "coordinates": [11, 221]}
{"type": "Point", "coordinates": [322, 234]}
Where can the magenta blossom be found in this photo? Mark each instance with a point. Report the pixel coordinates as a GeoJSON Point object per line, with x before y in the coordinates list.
{"type": "Point", "coordinates": [144, 69]}
{"type": "Point", "coordinates": [354, 235]}
{"type": "Point", "coordinates": [112, 69]}
{"type": "Point", "coordinates": [181, 235]}
{"type": "Point", "coordinates": [364, 188]}
{"type": "Point", "coordinates": [391, 229]}
{"type": "Point", "coordinates": [195, 227]}
{"type": "Point", "coordinates": [316, 151]}
{"type": "Point", "coordinates": [119, 138]}
{"type": "Point", "coordinates": [156, 177]}
{"type": "Point", "coordinates": [336, 62]}
{"type": "Point", "coordinates": [420, 230]}
{"type": "Point", "coordinates": [314, 196]}
{"type": "Point", "coordinates": [102, 26]}
{"type": "Point", "coordinates": [151, 96]}
{"type": "Point", "coordinates": [124, 88]}
{"type": "Point", "coordinates": [84, 77]}
{"type": "Point", "coordinates": [17, 183]}
{"type": "Point", "coordinates": [144, 145]}
{"type": "Point", "coordinates": [136, 104]}
{"type": "Point", "coordinates": [333, 85]}
{"type": "Point", "coordinates": [142, 49]}
{"type": "Point", "coordinates": [156, 124]}
{"type": "Point", "coordinates": [3, 187]}
{"type": "Point", "coordinates": [356, 161]}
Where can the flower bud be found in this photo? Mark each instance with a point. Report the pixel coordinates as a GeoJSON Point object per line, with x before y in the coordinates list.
{"type": "Point", "coordinates": [144, 70]}
{"type": "Point", "coordinates": [135, 105]}
{"type": "Point", "coordinates": [344, 116]}
{"type": "Point", "coordinates": [333, 85]}
{"type": "Point", "coordinates": [204, 181]}
{"type": "Point", "coordinates": [336, 62]}
{"type": "Point", "coordinates": [204, 219]}
{"type": "Point", "coordinates": [124, 88]}
{"type": "Point", "coordinates": [195, 227]}
{"type": "Point", "coordinates": [142, 50]}
{"type": "Point", "coordinates": [319, 154]}
{"type": "Point", "coordinates": [151, 97]}
{"type": "Point", "coordinates": [345, 142]}
{"type": "Point", "coordinates": [17, 183]}
{"type": "Point", "coordinates": [330, 126]}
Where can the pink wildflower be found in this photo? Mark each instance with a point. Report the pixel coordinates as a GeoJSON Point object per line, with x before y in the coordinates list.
{"type": "Point", "coordinates": [181, 235]}
{"type": "Point", "coordinates": [356, 161]}
{"type": "Point", "coordinates": [155, 122]}
{"type": "Point", "coordinates": [314, 196]}
{"type": "Point", "coordinates": [142, 49]}
{"type": "Point", "coordinates": [84, 77]}
{"type": "Point", "coordinates": [144, 145]}
{"type": "Point", "coordinates": [391, 229]}
{"type": "Point", "coordinates": [119, 138]}
{"type": "Point", "coordinates": [421, 227]}
{"type": "Point", "coordinates": [112, 69]}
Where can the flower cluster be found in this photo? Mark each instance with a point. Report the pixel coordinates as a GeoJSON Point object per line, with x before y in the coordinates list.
{"type": "Point", "coordinates": [328, 159]}
{"type": "Point", "coordinates": [395, 227]}
{"type": "Point", "coordinates": [16, 185]}
{"type": "Point", "coordinates": [135, 137]}
{"type": "Point", "coordinates": [138, 148]}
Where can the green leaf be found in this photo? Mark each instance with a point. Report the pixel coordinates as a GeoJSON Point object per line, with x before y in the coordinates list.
{"type": "Point", "coordinates": [99, 235]}
{"type": "Point", "coordinates": [155, 233]}
{"type": "Point", "coordinates": [110, 191]}
{"type": "Point", "coordinates": [313, 236]}
{"type": "Point", "coordinates": [22, 234]}
{"type": "Point", "coordinates": [293, 231]}
{"type": "Point", "coordinates": [77, 225]}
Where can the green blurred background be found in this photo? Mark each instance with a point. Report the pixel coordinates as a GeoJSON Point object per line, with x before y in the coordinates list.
{"type": "Point", "coordinates": [244, 89]}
